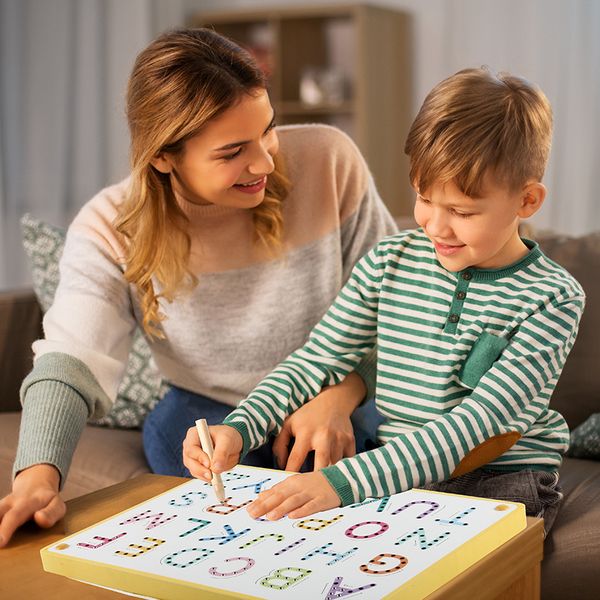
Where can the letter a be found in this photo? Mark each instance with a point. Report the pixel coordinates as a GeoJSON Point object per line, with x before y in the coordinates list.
{"type": "Point", "coordinates": [338, 591]}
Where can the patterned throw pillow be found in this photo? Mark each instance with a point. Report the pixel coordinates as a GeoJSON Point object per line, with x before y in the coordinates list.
{"type": "Point", "coordinates": [585, 439]}
{"type": "Point", "coordinates": [142, 386]}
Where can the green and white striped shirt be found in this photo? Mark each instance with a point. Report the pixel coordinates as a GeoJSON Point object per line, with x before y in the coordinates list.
{"type": "Point", "coordinates": [462, 356]}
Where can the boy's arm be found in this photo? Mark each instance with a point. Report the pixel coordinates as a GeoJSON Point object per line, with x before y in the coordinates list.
{"type": "Point", "coordinates": [343, 337]}
{"type": "Point", "coordinates": [512, 397]}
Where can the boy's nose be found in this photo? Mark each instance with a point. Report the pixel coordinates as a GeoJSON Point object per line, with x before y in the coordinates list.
{"type": "Point", "coordinates": [438, 225]}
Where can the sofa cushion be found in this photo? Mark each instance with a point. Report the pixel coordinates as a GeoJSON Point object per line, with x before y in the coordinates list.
{"type": "Point", "coordinates": [572, 548]}
{"type": "Point", "coordinates": [585, 439]}
{"type": "Point", "coordinates": [142, 386]}
{"type": "Point", "coordinates": [578, 391]}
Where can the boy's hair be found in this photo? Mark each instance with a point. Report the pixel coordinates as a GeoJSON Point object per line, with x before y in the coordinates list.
{"type": "Point", "coordinates": [474, 124]}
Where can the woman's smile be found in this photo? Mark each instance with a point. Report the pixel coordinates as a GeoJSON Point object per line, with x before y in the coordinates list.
{"type": "Point", "coordinates": [252, 187]}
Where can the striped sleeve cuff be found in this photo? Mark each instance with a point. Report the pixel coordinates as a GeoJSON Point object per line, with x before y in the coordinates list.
{"type": "Point", "coordinates": [340, 484]}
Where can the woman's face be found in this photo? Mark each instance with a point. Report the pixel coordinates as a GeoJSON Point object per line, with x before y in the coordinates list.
{"type": "Point", "coordinates": [228, 162]}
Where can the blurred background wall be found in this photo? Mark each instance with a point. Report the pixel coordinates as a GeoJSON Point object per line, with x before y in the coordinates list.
{"type": "Point", "coordinates": [64, 66]}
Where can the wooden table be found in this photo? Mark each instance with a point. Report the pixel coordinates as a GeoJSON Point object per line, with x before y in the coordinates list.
{"type": "Point", "coordinates": [512, 572]}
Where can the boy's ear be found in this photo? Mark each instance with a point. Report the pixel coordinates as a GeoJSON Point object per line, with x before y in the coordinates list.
{"type": "Point", "coordinates": [162, 162]}
{"type": "Point", "coordinates": [532, 198]}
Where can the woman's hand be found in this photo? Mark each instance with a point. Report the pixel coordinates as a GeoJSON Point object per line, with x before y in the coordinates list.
{"type": "Point", "coordinates": [227, 443]}
{"type": "Point", "coordinates": [322, 425]}
{"type": "Point", "coordinates": [34, 495]}
{"type": "Point", "coordinates": [297, 496]}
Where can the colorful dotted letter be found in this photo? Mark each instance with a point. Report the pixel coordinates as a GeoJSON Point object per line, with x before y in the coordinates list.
{"type": "Point", "coordinates": [282, 579]}
{"type": "Point", "coordinates": [379, 561]}
{"type": "Point", "coordinates": [433, 507]}
{"type": "Point", "coordinates": [382, 503]}
{"type": "Point", "coordinates": [155, 519]}
{"type": "Point", "coordinates": [383, 527]}
{"type": "Point", "coordinates": [103, 541]}
{"type": "Point", "coordinates": [186, 499]}
{"type": "Point", "coordinates": [421, 539]}
{"type": "Point", "coordinates": [228, 477]}
{"type": "Point", "coordinates": [201, 554]}
{"type": "Point", "coordinates": [249, 564]}
{"type": "Point", "coordinates": [325, 550]}
{"type": "Point", "coordinates": [338, 591]}
{"type": "Point", "coordinates": [229, 536]}
{"type": "Point", "coordinates": [261, 538]}
{"type": "Point", "coordinates": [292, 545]}
{"type": "Point", "coordinates": [257, 486]}
{"type": "Point", "coordinates": [141, 549]}
{"type": "Point", "coordinates": [225, 508]}
{"type": "Point", "coordinates": [202, 523]}
{"type": "Point", "coordinates": [457, 520]}
{"type": "Point", "coordinates": [320, 523]}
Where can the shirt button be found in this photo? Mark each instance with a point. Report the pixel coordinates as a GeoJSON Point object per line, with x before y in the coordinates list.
{"type": "Point", "coordinates": [461, 295]}
{"type": "Point", "coordinates": [467, 276]}
{"type": "Point", "coordinates": [453, 318]}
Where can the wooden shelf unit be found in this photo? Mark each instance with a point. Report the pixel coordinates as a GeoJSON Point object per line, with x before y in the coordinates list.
{"type": "Point", "coordinates": [369, 45]}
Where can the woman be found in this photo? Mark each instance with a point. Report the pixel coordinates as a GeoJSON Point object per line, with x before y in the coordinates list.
{"type": "Point", "coordinates": [226, 244]}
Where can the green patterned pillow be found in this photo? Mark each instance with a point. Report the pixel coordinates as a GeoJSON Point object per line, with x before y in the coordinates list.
{"type": "Point", "coordinates": [142, 386]}
{"type": "Point", "coordinates": [585, 439]}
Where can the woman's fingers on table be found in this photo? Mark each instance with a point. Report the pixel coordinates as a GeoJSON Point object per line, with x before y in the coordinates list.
{"type": "Point", "coordinates": [50, 514]}
{"type": "Point", "coordinates": [15, 509]}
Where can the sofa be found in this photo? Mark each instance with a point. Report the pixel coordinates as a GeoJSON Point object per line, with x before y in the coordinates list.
{"type": "Point", "coordinates": [572, 550]}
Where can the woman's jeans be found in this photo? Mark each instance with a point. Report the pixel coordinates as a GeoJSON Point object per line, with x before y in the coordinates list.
{"type": "Point", "coordinates": [166, 427]}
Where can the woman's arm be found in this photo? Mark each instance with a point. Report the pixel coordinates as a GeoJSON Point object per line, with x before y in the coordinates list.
{"type": "Point", "coordinates": [77, 369]}
{"type": "Point", "coordinates": [322, 425]}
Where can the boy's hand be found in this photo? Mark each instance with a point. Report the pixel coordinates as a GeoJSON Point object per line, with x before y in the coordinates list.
{"type": "Point", "coordinates": [298, 496]}
{"type": "Point", "coordinates": [227, 443]}
{"type": "Point", "coordinates": [322, 425]}
{"type": "Point", "coordinates": [34, 495]}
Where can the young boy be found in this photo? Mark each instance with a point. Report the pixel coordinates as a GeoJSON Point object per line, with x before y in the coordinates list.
{"type": "Point", "coordinates": [472, 325]}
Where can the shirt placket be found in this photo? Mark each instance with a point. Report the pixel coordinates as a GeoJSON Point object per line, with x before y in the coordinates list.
{"type": "Point", "coordinates": [458, 300]}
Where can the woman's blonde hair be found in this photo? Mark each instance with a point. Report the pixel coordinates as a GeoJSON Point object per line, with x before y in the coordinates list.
{"type": "Point", "coordinates": [474, 124]}
{"type": "Point", "coordinates": [179, 83]}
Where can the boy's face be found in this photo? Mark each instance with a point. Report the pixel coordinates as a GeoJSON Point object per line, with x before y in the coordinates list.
{"type": "Point", "coordinates": [473, 232]}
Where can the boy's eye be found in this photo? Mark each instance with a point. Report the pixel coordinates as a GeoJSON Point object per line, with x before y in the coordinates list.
{"type": "Point", "coordinates": [421, 199]}
{"type": "Point", "coordinates": [462, 215]}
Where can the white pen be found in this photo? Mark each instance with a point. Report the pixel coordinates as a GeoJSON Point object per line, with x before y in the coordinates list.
{"type": "Point", "coordinates": [206, 443]}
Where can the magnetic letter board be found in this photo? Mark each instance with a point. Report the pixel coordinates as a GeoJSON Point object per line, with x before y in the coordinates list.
{"type": "Point", "coordinates": [185, 544]}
